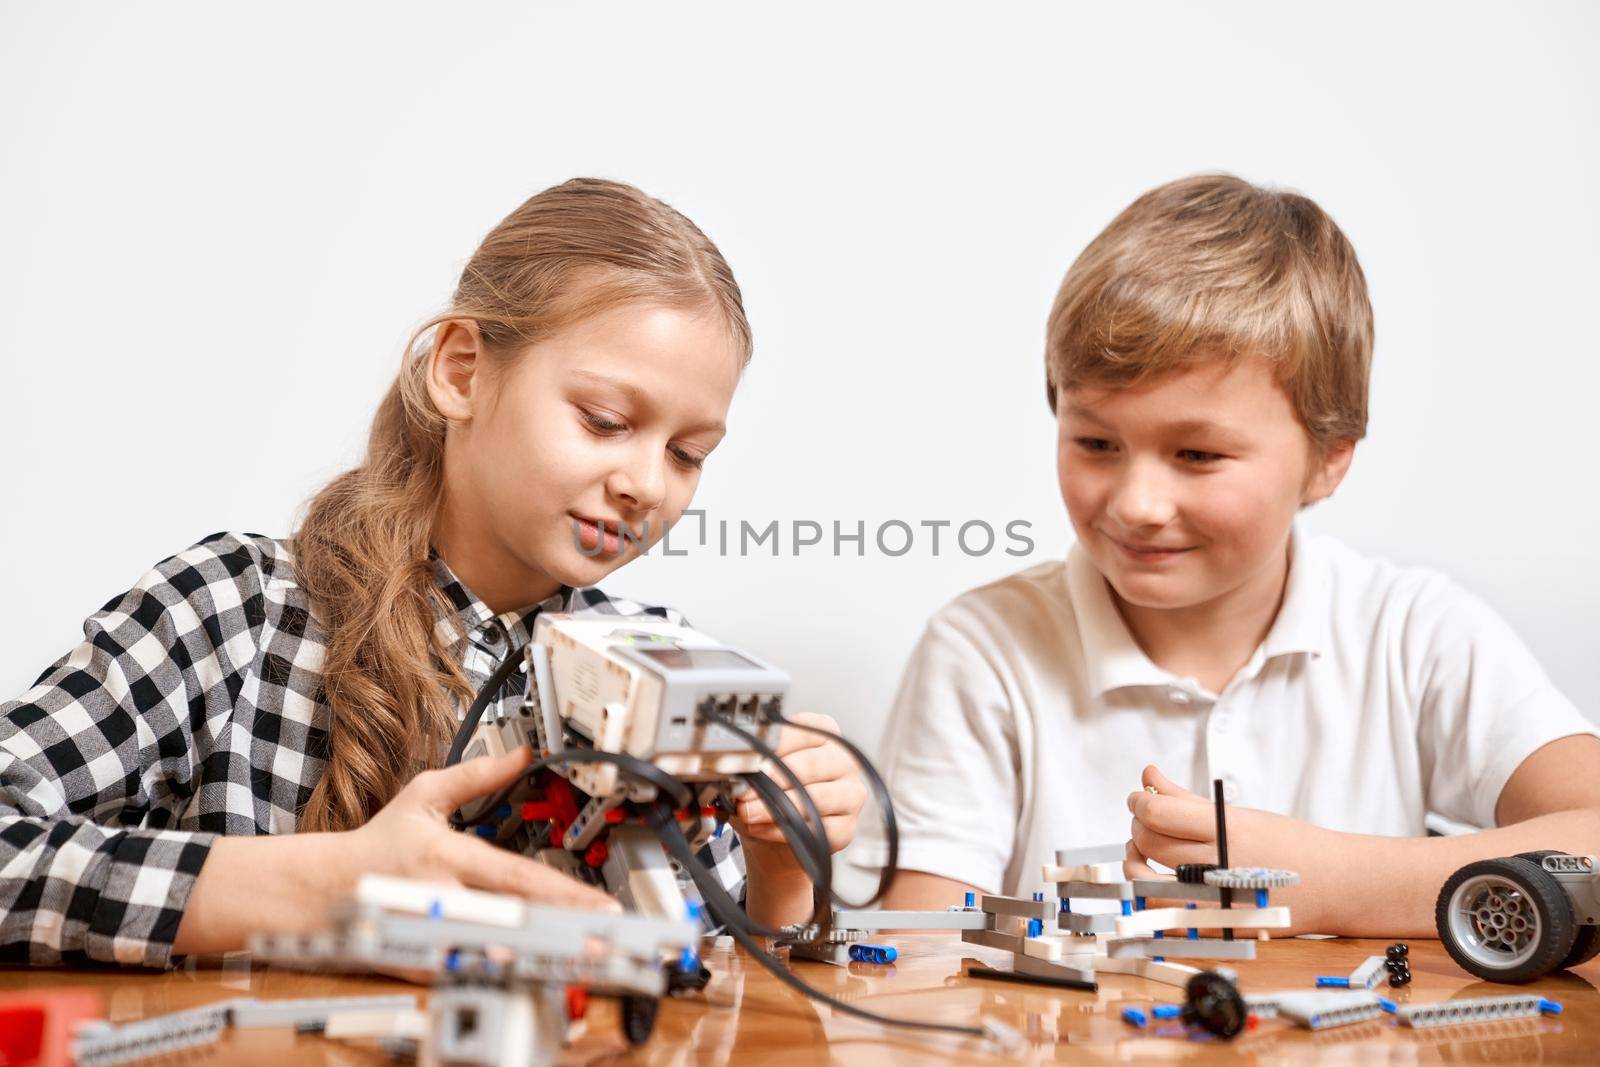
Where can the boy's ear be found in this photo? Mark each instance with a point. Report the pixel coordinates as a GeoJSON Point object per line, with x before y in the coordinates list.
{"type": "Point", "coordinates": [1327, 471]}
{"type": "Point", "coordinates": [454, 366]}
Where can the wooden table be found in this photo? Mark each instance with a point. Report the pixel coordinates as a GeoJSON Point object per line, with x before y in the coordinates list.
{"type": "Point", "coordinates": [747, 1016]}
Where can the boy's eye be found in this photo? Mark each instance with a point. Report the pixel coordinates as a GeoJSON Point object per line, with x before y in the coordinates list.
{"type": "Point", "coordinates": [1195, 455]}
{"type": "Point", "coordinates": [1092, 444]}
{"type": "Point", "coordinates": [599, 423]}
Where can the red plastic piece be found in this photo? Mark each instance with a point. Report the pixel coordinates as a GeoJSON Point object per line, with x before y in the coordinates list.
{"type": "Point", "coordinates": [597, 854]}
{"type": "Point", "coordinates": [615, 815]}
{"type": "Point", "coordinates": [1251, 1022]}
{"type": "Point", "coordinates": [577, 1002]}
{"type": "Point", "coordinates": [559, 807]}
{"type": "Point", "coordinates": [36, 1026]}
{"type": "Point", "coordinates": [708, 811]}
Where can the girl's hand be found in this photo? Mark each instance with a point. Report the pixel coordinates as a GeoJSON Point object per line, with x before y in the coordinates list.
{"type": "Point", "coordinates": [1172, 825]}
{"type": "Point", "coordinates": [779, 891]}
{"type": "Point", "coordinates": [828, 774]}
{"type": "Point", "coordinates": [411, 838]}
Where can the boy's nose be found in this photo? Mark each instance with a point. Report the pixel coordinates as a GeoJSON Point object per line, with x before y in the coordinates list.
{"type": "Point", "coordinates": [1140, 499]}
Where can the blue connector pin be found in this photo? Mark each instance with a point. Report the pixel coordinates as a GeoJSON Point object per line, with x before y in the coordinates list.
{"type": "Point", "coordinates": [1135, 1016]}
{"type": "Point", "coordinates": [1332, 982]}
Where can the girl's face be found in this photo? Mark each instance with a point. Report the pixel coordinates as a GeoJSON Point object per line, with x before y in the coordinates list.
{"type": "Point", "coordinates": [608, 421]}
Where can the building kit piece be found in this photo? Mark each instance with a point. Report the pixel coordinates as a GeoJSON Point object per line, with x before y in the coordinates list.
{"type": "Point", "coordinates": [1325, 1009]}
{"type": "Point", "coordinates": [954, 919]}
{"type": "Point", "coordinates": [1518, 918]}
{"type": "Point", "coordinates": [255, 1014]}
{"type": "Point", "coordinates": [1207, 948]}
{"type": "Point", "coordinates": [516, 966]}
{"type": "Point", "coordinates": [36, 1026]}
{"type": "Point", "coordinates": [1147, 922]}
{"type": "Point", "coordinates": [98, 1044]}
{"type": "Point", "coordinates": [1475, 1010]}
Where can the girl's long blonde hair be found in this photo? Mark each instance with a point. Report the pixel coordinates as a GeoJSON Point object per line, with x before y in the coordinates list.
{"type": "Point", "coordinates": [362, 551]}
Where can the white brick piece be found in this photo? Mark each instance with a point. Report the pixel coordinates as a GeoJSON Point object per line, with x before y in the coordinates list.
{"type": "Point", "coordinates": [1072, 857]}
{"type": "Point", "coordinates": [1142, 923]}
{"type": "Point", "coordinates": [1473, 1010]}
{"type": "Point", "coordinates": [1057, 946]}
{"type": "Point", "coordinates": [1084, 872]}
{"type": "Point", "coordinates": [993, 939]}
{"type": "Point", "coordinates": [1369, 974]}
{"type": "Point", "coordinates": [1043, 910]}
{"type": "Point", "coordinates": [910, 920]}
{"type": "Point", "coordinates": [1203, 948]}
{"type": "Point", "coordinates": [1096, 890]}
{"type": "Point", "coordinates": [1047, 969]}
{"type": "Point", "coordinates": [250, 1014]}
{"type": "Point", "coordinates": [1086, 922]}
{"type": "Point", "coordinates": [1324, 1009]}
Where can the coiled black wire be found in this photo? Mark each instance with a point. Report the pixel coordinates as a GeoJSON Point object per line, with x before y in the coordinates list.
{"type": "Point", "coordinates": [804, 832]}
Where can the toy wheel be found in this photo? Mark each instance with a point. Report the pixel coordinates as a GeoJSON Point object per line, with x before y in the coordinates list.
{"type": "Point", "coordinates": [639, 1018]}
{"type": "Point", "coordinates": [1539, 855]}
{"type": "Point", "coordinates": [1585, 947]}
{"type": "Point", "coordinates": [1214, 1003]}
{"type": "Point", "coordinates": [1505, 920]}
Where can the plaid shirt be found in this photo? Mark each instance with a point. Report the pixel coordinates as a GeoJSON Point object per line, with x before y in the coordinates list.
{"type": "Point", "coordinates": [192, 708]}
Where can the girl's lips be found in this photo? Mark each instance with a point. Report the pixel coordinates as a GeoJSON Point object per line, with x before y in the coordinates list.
{"type": "Point", "coordinates": [589, 535]}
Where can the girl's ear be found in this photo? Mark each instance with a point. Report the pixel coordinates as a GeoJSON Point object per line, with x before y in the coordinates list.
{"type": "Point", "coordinates": [1327, 471]}
{"type": "Point", "coordinates": [455, 369]}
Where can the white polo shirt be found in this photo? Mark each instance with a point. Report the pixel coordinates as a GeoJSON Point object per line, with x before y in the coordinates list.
{"type": "Point", "coordinates": [1380, 694]}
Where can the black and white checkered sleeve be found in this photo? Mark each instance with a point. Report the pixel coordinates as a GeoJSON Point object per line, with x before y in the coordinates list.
{"type": "Point", "coordinates": [98, 759]}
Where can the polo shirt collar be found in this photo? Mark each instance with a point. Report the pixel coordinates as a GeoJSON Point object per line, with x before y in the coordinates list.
{"type": "Point", "coordinates": [1114, 660]}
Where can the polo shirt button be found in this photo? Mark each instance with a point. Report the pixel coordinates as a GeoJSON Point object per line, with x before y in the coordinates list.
{"type": "Point", "coordinates": [1230, 789]}
{"type": "Point", "coordinates": [1178, 695]}
{"type": "Point", "coordinates": [491, 633]}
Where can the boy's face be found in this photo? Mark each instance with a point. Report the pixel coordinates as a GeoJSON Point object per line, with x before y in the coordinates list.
{"type": "Point", "coordinates": [1182, 490]}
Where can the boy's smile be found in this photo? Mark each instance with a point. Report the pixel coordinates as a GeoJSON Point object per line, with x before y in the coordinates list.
{"type": "Point", "coordinates": [1182, 490]}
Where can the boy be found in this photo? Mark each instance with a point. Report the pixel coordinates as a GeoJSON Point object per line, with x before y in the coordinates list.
{"type": "Point", "coordinates": [1207, 360]}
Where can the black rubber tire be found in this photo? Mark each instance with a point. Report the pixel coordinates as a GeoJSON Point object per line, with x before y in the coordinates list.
{"type": "Point", "coordinates": [1550, 902]}
{"type": "Point", "coordinates": [1539, 855]}
{"type": "Point", "coordinates": [639, 1018]}
{"type": "Point", "coordinates": [1585, 947]}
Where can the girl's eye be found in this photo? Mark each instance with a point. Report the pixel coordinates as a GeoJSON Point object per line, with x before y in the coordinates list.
{"type": "Point", "coordinates": [600, 424]}
{"type": "Point", "coordinates": [688, 459]}
{"type": "Point", "coordinates": [1194, 455]}
{"type": "Point", "coordinates": [1092, 444]}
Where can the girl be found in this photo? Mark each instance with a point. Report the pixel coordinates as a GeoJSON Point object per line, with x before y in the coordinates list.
{"type": "Point", "coordinates": [248, 730]}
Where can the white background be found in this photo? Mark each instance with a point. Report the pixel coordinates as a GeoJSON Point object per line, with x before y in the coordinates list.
{"type": "Point", "coordinates": [217, 226]}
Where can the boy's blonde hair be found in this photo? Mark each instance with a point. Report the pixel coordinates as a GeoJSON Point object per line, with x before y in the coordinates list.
{"type": "Point", "coordinates": [1212, 267]}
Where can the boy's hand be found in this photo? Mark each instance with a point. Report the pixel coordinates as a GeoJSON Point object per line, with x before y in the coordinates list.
{"type": "Point", "coordinates": [1172, 825]}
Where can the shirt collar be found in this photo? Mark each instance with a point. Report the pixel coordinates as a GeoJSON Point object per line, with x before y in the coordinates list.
{"type": "Point", "coordinates": [470, 614]}
{"type": "Point", "coordinates": [1114, 660]}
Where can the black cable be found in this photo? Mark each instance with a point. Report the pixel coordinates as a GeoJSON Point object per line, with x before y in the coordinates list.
{"type": "Point", "coordinates": [821, 881]}
{"type": "Point", "coordinates": [803, 841]}
{"type": "Point", "coordinates": [490, 690]}
{"type": "Point", "coordinates": [718, 900]}
{"type": "Point", "coordinates": [678, 846]}
{"type": "Point", "coordinates": [880, 794]}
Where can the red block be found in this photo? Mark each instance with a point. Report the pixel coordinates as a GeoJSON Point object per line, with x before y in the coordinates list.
{"type": "Point", "coordinates": [36, 1026]}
